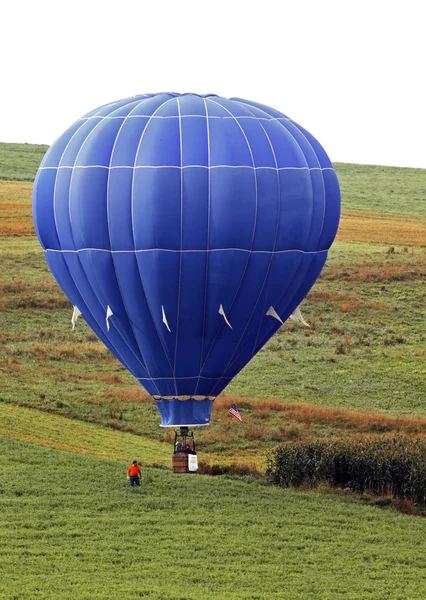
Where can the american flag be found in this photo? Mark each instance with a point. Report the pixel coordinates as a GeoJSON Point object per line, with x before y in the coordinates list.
{"type": "Point", "coordinates": [234, 412]}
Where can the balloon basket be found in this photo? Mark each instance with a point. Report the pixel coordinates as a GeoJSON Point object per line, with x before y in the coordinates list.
{"type": "Point", "coordinates": [184, 458]}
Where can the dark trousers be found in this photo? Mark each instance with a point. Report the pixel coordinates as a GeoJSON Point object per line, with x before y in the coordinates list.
{"type": "Point", "coordinates": [135, 480]}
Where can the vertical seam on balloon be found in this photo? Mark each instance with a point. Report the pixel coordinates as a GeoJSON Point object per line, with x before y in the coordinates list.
{"type": "Point", "coordinates": [261, 108]}
{"type": "Point", "coordinates": [261, 321]}
{"type": "Point", "coordinates": [254, 351]}
{"type": "Point", "coordinates": [110, 347]}
{"type": "Point", "coordinates": [310, 229]}
{"type": "Point", "coordinates": [254, 348]}
{"type": "Point", "coordinates": [54, 212]}
{"type": "Point", "coordinates": [257, 347]}
{"type": "Point", "coordinates": [253, 234]}
{"type": "Point", "coordinates": [276, 228]}
{"type": "Point", "coordinates": [128, 100]}
{"type": "Point", "coordinates": [78, 154]}
{"type": "Point", "coordinates": [279, 191]}
{"type": "Point", "coordinates": [82, 268]}
{"type": "Point", "coordinates": [208, 242]}
{"type": "Point", "coordinates": [56, 179]}
{"type": "Point", "coordinates": [54, 208]}
{"type": "Point", "coordinates": [271, 259]}
{"type": "Point", "coordinates": [309, 171]}
{"type": "Point", "coordinates": [323, 182]}
{"type": "Point", "coordinates": [35, 208]}
{"type": "Point", "coordinates": [133, 227]}
{"type": "Point", "coordinates": [312, 258]}
{"type": "Point", "coordinates": [181, 240]}
{"type": "Point", "coordinates": [293, 124]}
{"type": "Point", "coordinates": [115, 325]}
{"type": "Point", "coordinates": [109, 233]}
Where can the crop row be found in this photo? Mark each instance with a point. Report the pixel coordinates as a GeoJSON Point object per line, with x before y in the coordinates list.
{"type": "Point", "coordinates": [394, 465]}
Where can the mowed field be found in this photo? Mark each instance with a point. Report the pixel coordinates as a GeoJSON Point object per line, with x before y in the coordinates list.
{"type": "Point", "coordinates": [71, 528]}
{"type": "Point", "coordinates": [71, 418]}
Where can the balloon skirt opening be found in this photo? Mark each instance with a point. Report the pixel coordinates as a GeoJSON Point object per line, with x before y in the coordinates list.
{"type": "Point", "coordinates": [189, 413]}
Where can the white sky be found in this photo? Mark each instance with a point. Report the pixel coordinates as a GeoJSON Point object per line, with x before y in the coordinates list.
{"type": "Point", "coordinates": [351, 72]}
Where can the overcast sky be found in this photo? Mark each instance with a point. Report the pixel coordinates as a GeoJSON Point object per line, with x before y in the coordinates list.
{"type": "Point", "coordinates": [351, 72]}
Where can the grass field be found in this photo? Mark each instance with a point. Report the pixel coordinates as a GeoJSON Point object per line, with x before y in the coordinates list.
{"type": "Point", "coordinates": [53, 431]}
{"type": "Point", "coordinates": [382, 189]}
{"type": "Point", "coordinates": [72, 528]}
{"type": "Point", "coordinates": [19, 162]}
{"type": "Point", "coordinates": [69, 411]}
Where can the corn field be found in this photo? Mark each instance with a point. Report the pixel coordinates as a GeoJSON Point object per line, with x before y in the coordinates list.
{"type": "Point", "coordinates": [382, 466]}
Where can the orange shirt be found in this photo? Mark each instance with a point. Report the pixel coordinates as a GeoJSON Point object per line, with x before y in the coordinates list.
{"type": "Point", "coordinates": [134, 470]}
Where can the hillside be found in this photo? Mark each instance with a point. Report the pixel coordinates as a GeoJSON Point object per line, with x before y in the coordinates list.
{"type": "Point", "coordinates": [19, 162]}
{"type": "Point", "coordinates": [73, 529]}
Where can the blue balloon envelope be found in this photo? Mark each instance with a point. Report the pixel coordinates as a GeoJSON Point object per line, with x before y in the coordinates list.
{"type": "Point", "coordinates": [185, 229]}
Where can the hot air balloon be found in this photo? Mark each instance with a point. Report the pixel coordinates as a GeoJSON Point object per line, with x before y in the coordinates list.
{"type": "Point", "coordinates": [185, 229]}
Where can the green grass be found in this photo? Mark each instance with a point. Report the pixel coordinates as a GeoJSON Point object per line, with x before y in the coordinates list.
{"type": "Point", "coordinates": [71, 528]}
{"type": "Point", "coordinates": [19, 162]}
{"type": "Point", "coordinates": [382, 189]}
{"type": "Point", "coordinates": [35, 427]}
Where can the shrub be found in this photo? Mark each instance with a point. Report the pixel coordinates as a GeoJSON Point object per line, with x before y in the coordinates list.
{"type": "Point", "coordinates": [382, 466]}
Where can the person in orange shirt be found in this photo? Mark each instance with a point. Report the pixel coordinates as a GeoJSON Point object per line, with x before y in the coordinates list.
{"type": "Point", "coordinates": [134, 473]}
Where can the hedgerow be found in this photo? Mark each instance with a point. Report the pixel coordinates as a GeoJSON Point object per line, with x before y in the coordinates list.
{"type": "Point", "coordinates": [383, 466]}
